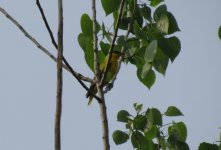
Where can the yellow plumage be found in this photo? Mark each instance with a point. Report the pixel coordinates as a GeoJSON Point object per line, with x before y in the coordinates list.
{"type": "Point", "coordinates": [110, 73]}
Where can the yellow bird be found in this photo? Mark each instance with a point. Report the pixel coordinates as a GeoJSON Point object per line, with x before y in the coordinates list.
{"type": "Point", "coordinates": [110, 73]}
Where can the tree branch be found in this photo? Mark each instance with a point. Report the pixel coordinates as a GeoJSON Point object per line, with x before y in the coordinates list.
{"type": "Point", "coordinates": [78, 76]}
{"type": "Point", "coordinates": [59, 78]}
{"type": "Point", "coordinates": [103, 111]}
{"type": "Point", "coordinates": [113, 41]}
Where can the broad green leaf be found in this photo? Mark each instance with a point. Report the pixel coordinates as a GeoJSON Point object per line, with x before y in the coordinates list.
{"type": "Point", "coordinates": [110, 6]}
{"type": "Point", "coordinates": [160, 62]}
{"type": "Point", "coordinates": [140, 142]}
{"type": "Point", "coordinates": [138, 16]}
{"type": "Point", "coordinates": [104, 47]}
{"type": "Point", "coordinates": [86, 25]}
{"type": "Point", "coordinates": [151, 133]}
{"type": "Point", "coordinates": [173, 111]}
{"type": "Point", "coordinates": [173, 26]}
{"type": "Point", "coordinates": [163, 24]}
{"type": "Point", "coordinates": [146, 12]}
{"type": "Point", "coordinates": [145, 69]}
{"type": "Point", "coordinates": [157, 117]}
{"type": "Point", "coordinates": [154, 117]}
{"type": "Point", "coordinates": [178, 131]}
{"type": "Point", "coordinates": [149, 79]}
{"type": "Point", "coordinates": [219, 33]}
{"type": "Point", "coordinates": [154, 3]}
{"type": "Point", "coordinates": [162, 9]}
{"type": "Point", "coordinates": [140, 122]}
{"type": "Point", "coordinates": [82, 41]}
{"type": "Point", "coordinates": [120, 137]}
{"type": "Point", "coordinates": [138, 31]}
{"type": "Point", "coordinates": [171, 47]}
{"type": "Point", "coordinates": [89, 53]}
{"type": "Point", "coordinates": [122, 116]}
{"type": "Point", "coordinates": [208, 146]}
{"type": "Point", "coordinates": [124, 23]}
{"type": "Point", "coordinates": [150, 52]}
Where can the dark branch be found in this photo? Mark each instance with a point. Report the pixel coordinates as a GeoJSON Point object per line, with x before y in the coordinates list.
{"type": "Point", "coordinates": [113, 41]}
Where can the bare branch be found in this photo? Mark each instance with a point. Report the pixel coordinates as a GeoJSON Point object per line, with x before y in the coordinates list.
{"type": "Point", "coordinates": [103, 111]}
{"type": "Point", "coordinates": [113, 41]}
{"type": "Point", "coordinates": [30, 37]}
{"type": "Point", "coordinates": [59, 79]}
{"type": "Point", "coordinates": [77, 75]}
{"type": "Point", "coordinates": [46, 24]}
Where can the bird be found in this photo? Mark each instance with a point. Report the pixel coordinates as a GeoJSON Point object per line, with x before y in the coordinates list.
{"type": "Point", "coordinates": [110, 73]}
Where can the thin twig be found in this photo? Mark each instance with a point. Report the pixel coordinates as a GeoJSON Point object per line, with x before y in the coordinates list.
{"type": "Point", "coordinates": [30, 37]}
{"type": "Point", "coordinates": [103, 110]}
{"type": "Point", "coordinates": [113, 41]}
{"type": "Point", "coordinates": [123, 49]}
{"type": "Point", "coordinates": [59, 78]}
{"type": "Point", "coordinates": [80, 76]}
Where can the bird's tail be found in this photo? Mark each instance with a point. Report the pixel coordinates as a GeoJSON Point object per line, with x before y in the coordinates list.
{"type": "Point", "coordinates": [88, 95]}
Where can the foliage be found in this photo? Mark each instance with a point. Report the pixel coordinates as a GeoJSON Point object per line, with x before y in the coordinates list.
{"type": "Point", "coordinates": [147, 131]}
{"type": "Point", "coordinates": [151, 44]}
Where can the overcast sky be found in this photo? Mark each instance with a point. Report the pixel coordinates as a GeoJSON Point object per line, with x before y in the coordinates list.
{"type": "Point", "coordinates": [28, 79]}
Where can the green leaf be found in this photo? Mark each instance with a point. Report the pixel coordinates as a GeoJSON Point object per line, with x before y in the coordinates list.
{"type": "Point", "coordinates": [104, 47]}
{"type": "Point", "coordinates": [89, 53]}
{"type": "Point", "coordinates": [141, 143]}
{"type": "Point", "coordinates": [178, 131]}
{"type": "Point", "coordinates": [150, 52]}
{"type": "Point", "coordinates": [171, 47]}
{"type": "Point", "coordinates": [138, 31]}
{"type": "Point", "coordinates": [86, 25]}
{"type": "Point", "coordinates": [146, 12]}
{"type": "Point", "coordinates": [154, 3]}
{"type": "Point", "coordinates": [173, 26]}
{"type": "Point", "coordinates": [157, 117]}
{"type": "Point", "coordinates": [162, 9]}
{"type": "Point", "coordinates": [149, 79]}
{"type": "Point", "coordinates": [82, 41]}
{"type": "Point", "coordinates": [122, 116]}
{"type": "Point", "coordinates": [208, 146]}
{"type": "Point", "coordinates": [145, 69]}
{"type": "Point", "coordinates": [120, 137]}
{"type": "Point", "coordinates": [219, 33]}
{"type": "Point", "coordinates": [110, 6]}
{"type": "Point", "coordinates": [151, 133]}
{"type": "Point", "coordinates": [140, 122]}
{"type": "Point", "coordinates": [160, 62]}
{"type": "Point", "coordinates": [173, 111]}
{"type": "Point", "coordinates": [163, 24]}
{"type": "Point", "coordinates": [138, 16]}
{"type": "Point", "coordinates": [138, 107]}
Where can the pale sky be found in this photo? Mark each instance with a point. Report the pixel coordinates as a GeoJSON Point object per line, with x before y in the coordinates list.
{"type": "Point", "coordinates": [28, 79]}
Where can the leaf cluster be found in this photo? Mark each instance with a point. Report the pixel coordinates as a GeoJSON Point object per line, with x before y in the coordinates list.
{"type": "Point", "coordinates": [147, 131]}
{"type": "Point", "coordinates": [146, 37]}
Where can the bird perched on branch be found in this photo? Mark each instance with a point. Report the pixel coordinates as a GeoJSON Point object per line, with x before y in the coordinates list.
{"type": "Point", "coordinates": [110, 73]}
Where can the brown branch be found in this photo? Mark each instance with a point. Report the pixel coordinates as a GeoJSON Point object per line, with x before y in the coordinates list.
{"type": "Point", "coordinates": [103, 111]}
{"type": "Point", "coordinates": [59, 79]}
{"type": "Point", "coordinates": [46, 24]}
{"type": "Point", "coordinates": [78, 75]}
{"type": "Point", "coordinates": [30, 37]}
{"type": "Point", "coordinates": [113, 41]}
